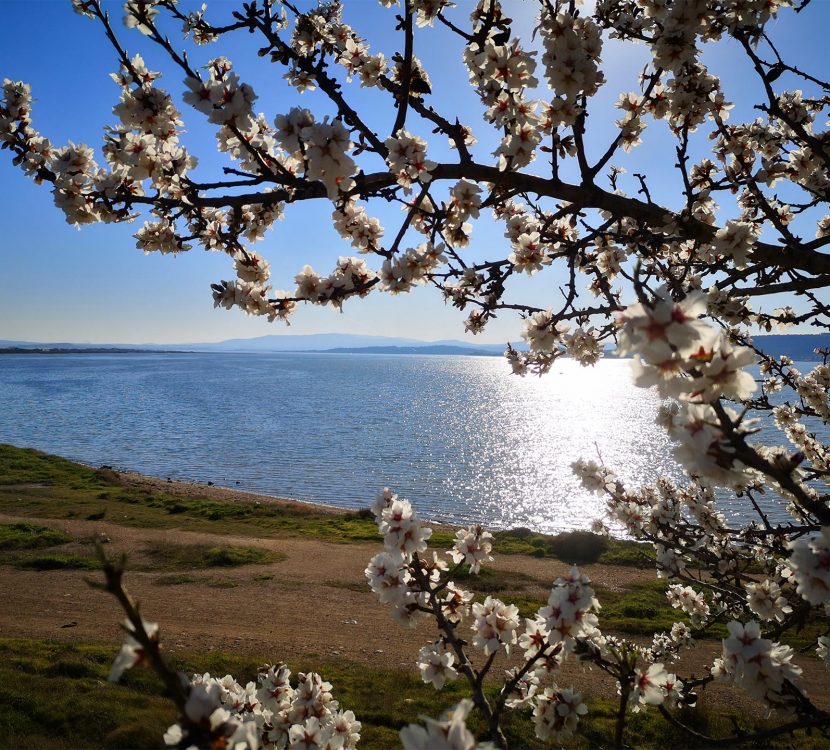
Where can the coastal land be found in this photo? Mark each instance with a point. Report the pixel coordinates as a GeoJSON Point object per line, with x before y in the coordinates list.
{"type": "Point", "coordinates": [236, 580]}
{"type": "Point", "coordinates": [803, 347]}
{"type": "Point", "coordinates": [82, 350]}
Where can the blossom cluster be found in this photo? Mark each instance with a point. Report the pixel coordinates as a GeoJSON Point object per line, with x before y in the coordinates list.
{"type": "Point", "coordinates": [412, 267]}
{"type": "Point", "coordinates": [144, 145]}
{"type": "Point", "coordinates": [556, 713]}
{"type": "Point", "coordinates": [810, 562]}
{"type": "Point", "coordinates": [760, 666]}
{"type": "Point", "coordinates": [692, 602]}
{"type": "Point", "coordinates": [268, 714]}
{"type": "Point", "coordinates": [351, 276]}
{"type": "Point", "coordinates": [573, 46]}
{"type": "Point", "coordinates": [353, 223]}
{"type": "Point", "coordinates": [501, 74]}
{"type": "Point", "coordinates": [322, 146]}
{"type": "Point", "coordinates": [570, 611]}
{"type": "Point", "coordinates": [449, 733]}
{"type": "Point", "coordinates": [686, 359]}
{"type": "Point", "coordinates": [407, 159]}
{"type": "Point", "coordinates": [225, 99]}
{"type": "Point", "coordinates": [405, 576]}
{"type": "Point", "coordinates": [654, 686]}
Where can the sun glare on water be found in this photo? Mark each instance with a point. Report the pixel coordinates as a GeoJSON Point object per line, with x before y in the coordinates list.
{"type": "Point", "coordinates": [461, 437]}
{"type": "Point", "coordinates": [520, 436]}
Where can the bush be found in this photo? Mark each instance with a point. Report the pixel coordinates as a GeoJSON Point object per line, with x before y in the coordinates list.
{"type": "Point", "coordinates": [29, 536]}
{"type": "Point", "coordinates": [578, 547]}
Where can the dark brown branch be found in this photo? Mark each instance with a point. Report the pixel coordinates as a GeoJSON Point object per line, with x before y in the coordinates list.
{"type": "Point", "coordinates": [405, 74]}
{"type": "Point", "coordinates": [820, 721]}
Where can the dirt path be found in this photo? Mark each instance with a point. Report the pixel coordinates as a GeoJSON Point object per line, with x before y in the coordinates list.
{"type": "Point", "coordinates": [313, 604]}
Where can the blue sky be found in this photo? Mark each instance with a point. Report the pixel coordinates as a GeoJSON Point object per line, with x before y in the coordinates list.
{"type": "Point", "coordinates": [93, 285]}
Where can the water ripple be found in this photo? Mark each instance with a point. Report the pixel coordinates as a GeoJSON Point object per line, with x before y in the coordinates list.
{"type": "Point", "coordinates": [459, 436]}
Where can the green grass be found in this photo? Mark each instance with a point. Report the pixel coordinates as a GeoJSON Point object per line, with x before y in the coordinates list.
{"type": "Point", "coordinates": [577, 547]}
{"type": "Point", "coordinates": [55, 561]}
{"type": "Point", "coordinates": [628, 553]}
{"type": "Point", "coordinates": [17, 536]}
{"type": "Point", "coordinates": [165, 555]}
{"type": "Point", "coordinates": [493, 581]}
{"type": "Point", "coordinates": [640, 609]}
{"type": "Point", "coordinates": [26, 466]}
{"type": "Point", "coordinates": [55, 696]}
{"type": "Point", "coordinates": [39, 485]}
{"type": "Point", "coordinates": [20, 544]}
{"type": "Point", "coordinates": [43, 486]}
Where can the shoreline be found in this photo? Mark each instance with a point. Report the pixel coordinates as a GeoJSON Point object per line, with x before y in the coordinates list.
{"type": "Point", "coordinates": [191, 488]}
{"type": "Point", "coordinates": [194, 488]}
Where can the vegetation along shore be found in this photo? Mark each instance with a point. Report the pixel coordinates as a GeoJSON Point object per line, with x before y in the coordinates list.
{"type": "Point", "coordinates": [237, 580]}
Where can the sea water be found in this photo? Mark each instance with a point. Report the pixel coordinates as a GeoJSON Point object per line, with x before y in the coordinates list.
{"type": "Point", "coordinates": [459, 436]}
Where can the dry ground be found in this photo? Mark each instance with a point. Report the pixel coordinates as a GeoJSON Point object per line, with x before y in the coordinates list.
{"type": "Point", "coordinates": [313, 603]}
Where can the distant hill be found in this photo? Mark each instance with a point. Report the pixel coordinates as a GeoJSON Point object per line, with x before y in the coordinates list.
{"type": "Point", "coordinates": [316, 342]}
{"type": "Point", "coordinates": [338, 342]}
{"type": "Point", "coordinates": [302, 343]}
{"type": "Point", "coordinates": [800, 347]}
{"type": "Point", "coordinates": [47, 349]}
{"type": "Point", "coordinates": [431, 349]}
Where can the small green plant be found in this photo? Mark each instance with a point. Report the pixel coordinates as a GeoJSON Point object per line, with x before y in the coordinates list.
{"type": "Point", "coordinates": [54, 561]}
{"type": "Point", "coordinates": [17, 536]}
{"type": "Point", "coordinates": [164, 555]}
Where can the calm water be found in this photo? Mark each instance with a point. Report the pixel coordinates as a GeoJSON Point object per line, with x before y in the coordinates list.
{"type": "Point", "coordinates": [459, 436]}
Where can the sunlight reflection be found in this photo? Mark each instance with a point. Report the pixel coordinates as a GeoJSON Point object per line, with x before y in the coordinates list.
{"type": "Point", "coordinates": [461, 437]}
{"type": "Point", "coordinates": [523, 438]}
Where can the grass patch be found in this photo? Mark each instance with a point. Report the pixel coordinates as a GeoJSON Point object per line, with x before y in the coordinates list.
{"type": "Point", "coordinates": [17, 536]}
{"type": "Point", "coordinates": [39, 485]}
{"type": "Point", "coordinates": [22, 466]}
{"type": "Point", "coordinates": [493, 581]}
{"type": "Point", "coordinates": [641, 609]}
{"type": "Point", "coordinates": [19, 543]}
{"type": "Point", "coordinates": [165, 555]}
{"type": "Point", "coordinates": [55, 695]}
{"type": "Point", "coordinates": [54, 561]}
{"type": "Point", "coordinates": [577, 547]}
{"type": "Point", "coordinates": [628, 553]}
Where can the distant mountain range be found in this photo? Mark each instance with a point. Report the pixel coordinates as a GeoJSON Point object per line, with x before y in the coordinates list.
{"type": "Point", "coordinates": [799, 347]}
{"type": "Point", "coordinates": [339, 342]}
{"type": "Point", "coordinates": [422, 349]}
{"type": "Point", "coordinates": [316, 342]}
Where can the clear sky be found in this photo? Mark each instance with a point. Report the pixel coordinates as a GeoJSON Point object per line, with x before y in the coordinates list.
{"type": "Point", "coordinates": [93, 285]}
